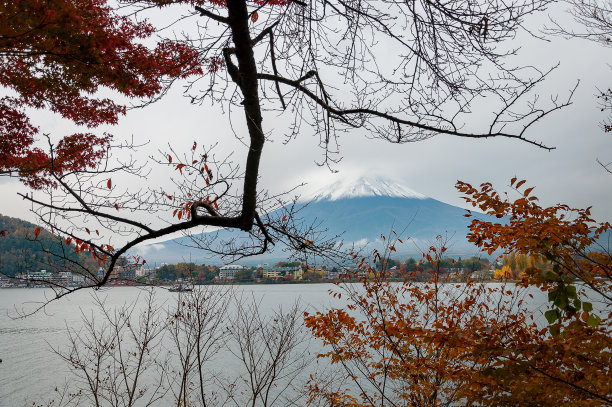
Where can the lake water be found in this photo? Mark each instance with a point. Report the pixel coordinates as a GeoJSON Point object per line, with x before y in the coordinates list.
{"type": "Point", "coordinates": [30, 370]}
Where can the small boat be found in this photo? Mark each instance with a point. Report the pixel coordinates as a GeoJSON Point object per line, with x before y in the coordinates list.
{"type": "Point", "coordinates": [179, 289]}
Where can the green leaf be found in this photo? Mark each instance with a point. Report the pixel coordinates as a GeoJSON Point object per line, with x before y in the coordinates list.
{"type": "Point", "coordinates": [570, 290]}
{"type": "Point", "coordinates": [561, 301]}
{"type": "Point", "coordinates": [577, 304]}
{"type": "Point", "coordinates": [587, 306]}
{"type": "Point", "coordinates": [550, 276]}
{"type": "Point", "coordinates": [594, 320]}
{"type": "Point", "coordinates": [551, 315]}
{"type": "Point", "coordinates": [554, 330]}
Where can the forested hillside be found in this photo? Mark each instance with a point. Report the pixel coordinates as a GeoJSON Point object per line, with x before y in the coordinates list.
{"type": "Point", "coordinates": [21, 250]}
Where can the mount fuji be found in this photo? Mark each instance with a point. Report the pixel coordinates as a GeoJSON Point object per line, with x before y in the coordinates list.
{"type": "Point", "coordinates": [360, 210]}
{"type": "Point", "coordinates": [347, 188]}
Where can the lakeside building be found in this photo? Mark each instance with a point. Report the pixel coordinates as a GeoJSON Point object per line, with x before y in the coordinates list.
{"type": "Point", "coordinates": [79, 279]}
{"type": "Point", "coordinates": [63, 278]}
{"type": "Point", "coordinates": [333, 274]}
{"type": "Point", "coordinates": [483, 275]}
{"type": "Point", "coordinates": [345, 273]}
{"type": "Point", "coordinates": [280, 272]}
{"type": "Point", "coordinates": [44, 277]}
{"type": "Point", "coordinates": [140, 271]}
{"type": "Point", "coordinates": [123, 273]}
{"type": "Point", "coordinates": [228, 272]}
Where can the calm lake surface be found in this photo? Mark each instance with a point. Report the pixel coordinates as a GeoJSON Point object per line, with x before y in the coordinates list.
{"type": "Point", "coordinates": [30, 370]}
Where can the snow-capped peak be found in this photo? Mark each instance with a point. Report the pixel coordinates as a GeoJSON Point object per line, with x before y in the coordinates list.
{"type": "Point", "coordinates": [362, 187]}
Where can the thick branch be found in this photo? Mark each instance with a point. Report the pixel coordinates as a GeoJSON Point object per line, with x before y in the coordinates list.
{"type": "Point", "coordinates": [238, 17]}
{"type": "Point", "coordinates": [213, 16]}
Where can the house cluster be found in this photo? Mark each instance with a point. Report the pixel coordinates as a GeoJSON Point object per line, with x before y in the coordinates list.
{"type": "Point", "coordinates": [279, 272]}
{"type": "Point", "coordinates": [344, 273]}
{"type": "Point", "coordinates": [129, 273]}
{"type": "Point", "coordinates": [230, 272]}
{"type": "Point", "coordinates": [44, 277]}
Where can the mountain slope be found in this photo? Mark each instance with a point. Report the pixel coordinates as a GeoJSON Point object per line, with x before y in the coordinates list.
{"type": "Point", "coordinates": [20, 251]}
{"type": "Point", "coordinates": [370, 216]}
{"type": "Point", "coordinates": [361, 210]}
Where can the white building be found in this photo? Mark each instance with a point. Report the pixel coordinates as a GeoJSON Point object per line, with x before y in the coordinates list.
{"type": "Point", "coordinates": [278, 272]}
{"type": "Point", "coordinates": [78, 279]}
{"type": "Point", "coordinates": [228, 272]}
{"type": "Point", "coordinates": [140, 271]}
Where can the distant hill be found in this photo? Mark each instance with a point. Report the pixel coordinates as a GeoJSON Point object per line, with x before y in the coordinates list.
{"type": "Point", "coordinates": [361, 210]}
{"type": "Point", "coordinates": [20, 251]}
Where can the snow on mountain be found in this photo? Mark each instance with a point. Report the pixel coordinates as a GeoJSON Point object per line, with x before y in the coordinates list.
{"type": "Point", "coordinates": [361, 187]}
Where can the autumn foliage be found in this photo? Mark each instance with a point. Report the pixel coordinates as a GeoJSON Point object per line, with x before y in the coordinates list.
{"type": "Point", "coordinates": [430, 344]}
{"type": "Point", "coordinates": [569, 239]}
{"type": "Point", "coordinates": [56, 55]}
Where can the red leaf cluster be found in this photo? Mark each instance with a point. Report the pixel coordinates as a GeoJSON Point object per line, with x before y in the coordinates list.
{"type": "Point", "coordinates": [56, 55]}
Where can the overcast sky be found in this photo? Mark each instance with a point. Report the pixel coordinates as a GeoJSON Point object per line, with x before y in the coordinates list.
{"type": "Point", "coordinates": [569, 174]}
